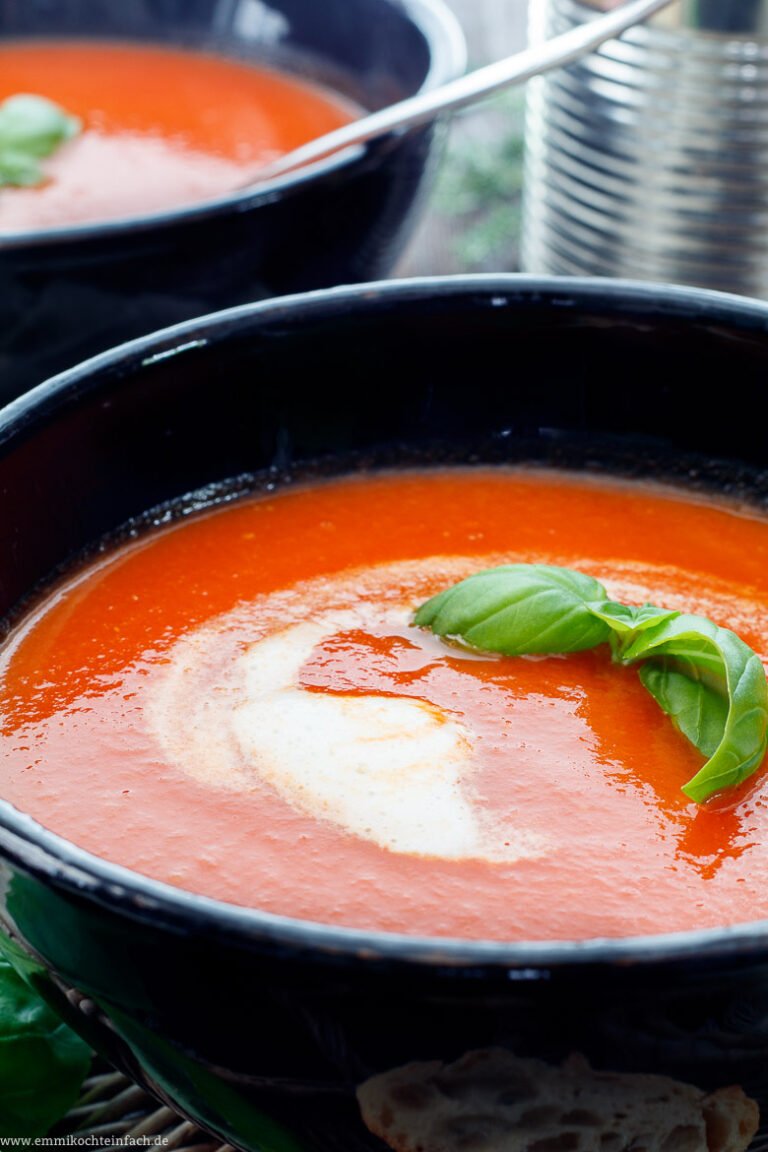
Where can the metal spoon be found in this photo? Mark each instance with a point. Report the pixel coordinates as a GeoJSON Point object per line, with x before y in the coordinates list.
{"type": "Point", "coordinates": [516, 69]}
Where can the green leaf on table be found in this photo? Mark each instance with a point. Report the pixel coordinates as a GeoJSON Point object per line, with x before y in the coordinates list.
{"type": "Point", "coordinates": [31, 128]}
{"type": "Point", "coordinates": [704, 677]}
{"type": "Point", "coordinates": [42, 1061]}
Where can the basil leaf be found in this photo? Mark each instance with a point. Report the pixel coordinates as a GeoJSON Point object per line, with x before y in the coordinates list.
{"type": "Point", "coordinates": [42, 1062]}
{"type": "Point", "coordinates": [726, 668]}
{"type": "Point", "coordinates": [31, 128]}
{"type": "Point", "coordinates": [707, 680]}
{"type": "Point", "coordinates": [19, 170]}
{"type": "Point", "coordinates": [695, 708]}
{"type": "Point", "coordinates": [625, 619]}
{"type": "Point", "coordinates": [519, 609]}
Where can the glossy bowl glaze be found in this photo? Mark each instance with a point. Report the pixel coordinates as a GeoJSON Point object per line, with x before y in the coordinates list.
{"type": "Point", "coordinates": [69, 293]}
{"type": "Point", "coordinates": [259, 1027]}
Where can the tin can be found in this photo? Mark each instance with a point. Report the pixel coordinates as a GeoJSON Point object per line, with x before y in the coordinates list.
{"type": "Point", "coordinates": [649, 158]}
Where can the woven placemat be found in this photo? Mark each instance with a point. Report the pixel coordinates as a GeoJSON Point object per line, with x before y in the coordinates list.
{"type": "Point", "coordinates": [114, 1113]}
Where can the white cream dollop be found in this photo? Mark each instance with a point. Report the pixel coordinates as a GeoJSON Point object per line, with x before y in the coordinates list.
{"type": "Point", "coordinates": [384, 768]}
{"type": "Point", "coordinates": [395, 771]}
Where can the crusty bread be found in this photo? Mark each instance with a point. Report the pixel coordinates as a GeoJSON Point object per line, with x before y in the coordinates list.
{"type": "Point", "coordinates": [493, 1101]}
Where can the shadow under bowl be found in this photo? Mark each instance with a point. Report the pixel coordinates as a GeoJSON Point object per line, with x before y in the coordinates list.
{"type": "Point", "coordinates": [68, 293]}
{"type": "Point", "coordinates": [259, 1027]}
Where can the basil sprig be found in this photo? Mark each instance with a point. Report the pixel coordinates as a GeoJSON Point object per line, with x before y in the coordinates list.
{"type": "Point", "coordinates": [31, 128]}
{"type": "Point", "coordinates": [707, 680]}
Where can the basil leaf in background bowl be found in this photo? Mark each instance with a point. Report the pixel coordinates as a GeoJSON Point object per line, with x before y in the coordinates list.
{"type": "Point", "coordinates": [31, 128]}
{"type": "Point", "coordinates": [43, 1062]}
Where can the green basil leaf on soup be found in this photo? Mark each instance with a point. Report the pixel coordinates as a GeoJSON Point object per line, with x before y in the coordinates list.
{"type": "Point", "coordinates": [696, 709]}
{"type": "Point", "coordinates": [625, 621]}
{"type": "Point", "coordinates": [733, 699]}
{"type": "Point", "coordinates": [705, 678]}
{"type": "Point", "coordinates": [519, 609]}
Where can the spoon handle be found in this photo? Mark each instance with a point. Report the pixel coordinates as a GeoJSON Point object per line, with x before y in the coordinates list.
{"type": "Point", "coordinates": [515, 69]}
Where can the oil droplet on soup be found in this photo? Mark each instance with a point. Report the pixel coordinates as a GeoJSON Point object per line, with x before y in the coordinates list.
{"type": "Point", "coordinates": [239, 705]}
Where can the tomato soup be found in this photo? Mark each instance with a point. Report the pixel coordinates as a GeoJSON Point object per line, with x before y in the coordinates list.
{"type": "Point", "coordinates": [162, 128]}
{"type": "Point", "coordinates": [239, 704]}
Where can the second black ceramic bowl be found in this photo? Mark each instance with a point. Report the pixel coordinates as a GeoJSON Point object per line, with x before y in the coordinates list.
{"type": "Point", "coordinates": [260, 1027]}
{"type": "Point", "coordinates": [68, 293]}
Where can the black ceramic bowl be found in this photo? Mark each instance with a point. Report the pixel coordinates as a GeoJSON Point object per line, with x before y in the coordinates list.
{"type": "Point", "coordinates": [72, 292]}
{"type": "Point", "coordinates": [259, 1027]}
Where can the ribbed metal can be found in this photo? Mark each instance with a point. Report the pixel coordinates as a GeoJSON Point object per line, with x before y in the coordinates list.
{"type": "Point", "coordinates": [649, 158]}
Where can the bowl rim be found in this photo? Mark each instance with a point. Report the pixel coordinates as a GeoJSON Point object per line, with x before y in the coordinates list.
{"type": "Point", "coordinates": [444, 37]}
{"type": "Point", "coordinates": [44, 854]}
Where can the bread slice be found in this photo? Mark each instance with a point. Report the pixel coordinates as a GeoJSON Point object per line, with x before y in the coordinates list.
{"type": "Point", "coordinates": [493, 1101]}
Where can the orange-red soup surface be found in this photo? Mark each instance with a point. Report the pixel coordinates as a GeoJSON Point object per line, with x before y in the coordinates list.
{"type": "Point", "coordinates": [237, 704]}
{"type": "Point", "coordinates": [162, 127]}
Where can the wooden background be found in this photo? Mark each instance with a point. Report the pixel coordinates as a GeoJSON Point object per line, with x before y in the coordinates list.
{"type": "Point", "coordinates": [472, 218]}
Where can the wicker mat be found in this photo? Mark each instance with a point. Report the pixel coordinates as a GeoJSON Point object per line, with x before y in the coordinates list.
{"type": "Point", "coordinates": [112, 1108]}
